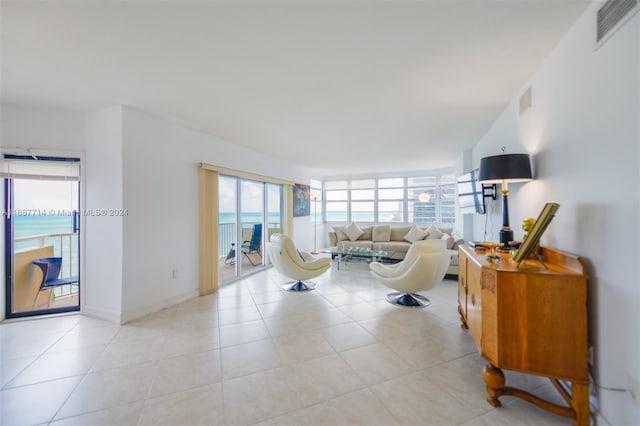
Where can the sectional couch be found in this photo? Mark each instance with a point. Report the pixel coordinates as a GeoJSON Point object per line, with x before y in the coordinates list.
{"type": "Point", "coordinates": [395, 238]}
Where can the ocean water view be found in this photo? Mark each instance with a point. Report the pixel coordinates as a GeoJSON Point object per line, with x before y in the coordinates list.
{"type": "Point", "coordinates": [249, 218]}
{"type": "Point", "coordinates": [24, 226]}
{"type": "Point", "coordinates": [65, 246]}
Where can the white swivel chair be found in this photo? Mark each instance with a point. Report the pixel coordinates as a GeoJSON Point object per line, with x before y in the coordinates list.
{"type": "Point", "coordinates": [297, 265]}
{"type": "Point", "coordinates": [423, 267]}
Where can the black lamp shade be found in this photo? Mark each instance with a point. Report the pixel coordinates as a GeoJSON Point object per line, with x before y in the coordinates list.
{"type": "Point", "coordinates": [509, 167]}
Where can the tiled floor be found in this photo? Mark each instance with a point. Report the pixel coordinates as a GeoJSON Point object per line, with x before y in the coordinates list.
{"type": "Point", "coordinates": [254, 354]}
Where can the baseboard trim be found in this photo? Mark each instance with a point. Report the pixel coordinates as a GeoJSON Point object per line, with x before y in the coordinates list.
{"type": "Point", "coordinates": [101, 313]}
{"type": "Point", "coordinates": [600, 420]}
{"type": "Point", "coordinates": [163, 304]}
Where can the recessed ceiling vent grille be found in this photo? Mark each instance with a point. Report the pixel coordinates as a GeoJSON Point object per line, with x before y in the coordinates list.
{"type": "Point", "coordinates": [611, 15]}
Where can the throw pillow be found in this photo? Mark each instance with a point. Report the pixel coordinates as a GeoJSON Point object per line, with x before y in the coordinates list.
{"type": "Point", "coordinates": [381, 233]}
{"type": "Point", "coordinates": [449, 240]}
{"type": "Point", "coordinates": [457, 241]}
{"type": "Point", "coordinates": [340, 235]}
{"type": "Point", "coordinates": [415, 234]}
{"type": "Point", "coordinates": [353, 231]}
{"type": "Point", "coordinates": [366, 236]}
{"type": "Point", "coordinates": [434, 232]}
{"type": "Point", "coordinates": [398, 232]}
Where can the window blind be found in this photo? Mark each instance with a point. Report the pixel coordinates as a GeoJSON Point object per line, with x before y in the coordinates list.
{"type": "Point", "coordinates": [49, 168]}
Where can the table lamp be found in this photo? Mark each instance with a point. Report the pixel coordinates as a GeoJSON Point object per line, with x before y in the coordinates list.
{"type": "Point", "coordinates": [503, 169]}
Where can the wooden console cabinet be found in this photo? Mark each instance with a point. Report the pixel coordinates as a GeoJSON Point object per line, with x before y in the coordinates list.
{"type": "Point", "coordinates": [531, 319]}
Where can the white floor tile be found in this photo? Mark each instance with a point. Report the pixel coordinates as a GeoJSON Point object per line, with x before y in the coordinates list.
{"type": "Point", "coordinates": [256, 397]}
{"type": "Point", "coordinates": [302, 347]}
{"type": "Point", "coordinates": [320, 379]}
{"type": "Point", "coordinates": [35, 404]}
{"type": "Point", "coordinates": [10, 368]}
{"type": "Point", "coordinates": [376, 363]}
{"type": "Point", "coordinates": [133, 351]}
{"type": "Point", "coordinates": [107, 389]}
{"type": "Point", "coordinates": [245, 332]}
{"type": "Point", "coordinates": [347, 336]}
{"type": "Point", "coordinates": [200, 406]}
{"type": "Point", "coordinates": [125, 415]}
{"type": "Point", "coordinates": [358, 408]}
{"type": "Point", "coordinates": [249, 358]}
{"type": "Point", "coordinates": [57, 365]}
{"type": "Point", "coordinates": [83, 336]}
{"type": "Point", "coordinates": [186, 372]}
{"type": "Point", "coordinates": [414, 400]}
{"type": "Point", "coordinates": [255, 354]}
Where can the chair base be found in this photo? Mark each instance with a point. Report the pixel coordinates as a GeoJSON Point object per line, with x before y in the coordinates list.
{"type": "Point", "coordinates": [411, 300]}
{"type": "Point", "coordinates": [299, 286]}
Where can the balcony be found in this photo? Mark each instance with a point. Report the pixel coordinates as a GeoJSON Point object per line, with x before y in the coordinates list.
{"type": "Point", "coordinates": [28, 294]}
{"type": "Point", "coordinates": [227, 236]}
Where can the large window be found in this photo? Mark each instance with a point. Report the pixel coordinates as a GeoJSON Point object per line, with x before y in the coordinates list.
{"type": "Point", "coordinates": [336, 196]}
{"type": "Point", "coordinates": [414, 199]}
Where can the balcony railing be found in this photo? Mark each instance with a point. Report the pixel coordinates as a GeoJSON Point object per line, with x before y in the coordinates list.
{"type": "Point", "coordinates": [65, 245]}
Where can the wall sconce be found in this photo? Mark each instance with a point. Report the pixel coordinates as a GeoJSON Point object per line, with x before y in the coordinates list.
{"type": "Point", "coordinates": [503, 169]}
{"type": "Point", "coordinates": [490, 191]}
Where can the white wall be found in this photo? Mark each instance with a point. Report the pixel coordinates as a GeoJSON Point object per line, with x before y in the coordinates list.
{"type": "Point", "coordinates": [161, 194]}
{"type": "Point", "coordinates": [583, 133]}
{"type": "Point", "coordinates": [101, 287]}
{"type": "Point", "coordinates": [147, 165]}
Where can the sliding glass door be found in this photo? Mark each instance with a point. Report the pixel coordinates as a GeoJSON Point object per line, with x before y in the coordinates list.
{"type": "Point", "coordinates": [251, 225]}
{"type": "Point", "coordinates": [249, 213]}
{"type": "Point", "coordinates": [42, 235]}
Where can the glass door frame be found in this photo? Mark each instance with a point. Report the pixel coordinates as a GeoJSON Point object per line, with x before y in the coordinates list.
{"type": "Point", "coordinates": [239, 229]}
{"type": "Point", "coordinates": [9, 251]}
{"type": "Point", "coordinates": [264, 263]}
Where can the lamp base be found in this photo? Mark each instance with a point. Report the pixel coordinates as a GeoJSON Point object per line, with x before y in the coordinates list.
{"type": "Point", "coordinates": [506, 236]}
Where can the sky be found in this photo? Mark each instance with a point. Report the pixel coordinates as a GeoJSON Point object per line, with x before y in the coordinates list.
{"type": "Point", "coordinates": [252, 195]}
{"type": "Point", "coordinates": [45, 195]}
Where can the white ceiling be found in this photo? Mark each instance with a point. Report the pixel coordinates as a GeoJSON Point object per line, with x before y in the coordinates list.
{"type": "Point", "coordinates": [340, 87]}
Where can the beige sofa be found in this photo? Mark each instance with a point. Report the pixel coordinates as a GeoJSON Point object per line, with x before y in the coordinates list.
{"type": "Point", "coordinates": [395, 238]}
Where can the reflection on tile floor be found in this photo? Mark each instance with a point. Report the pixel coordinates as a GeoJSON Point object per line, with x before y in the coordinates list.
{"type": "Point", "coordinates": [254, 354]}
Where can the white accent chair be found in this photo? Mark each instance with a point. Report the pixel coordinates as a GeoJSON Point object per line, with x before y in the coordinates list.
{"type": "Point", "coordinates": [295, 264]}
{"type": "Point", "coordinates": [423, 267]}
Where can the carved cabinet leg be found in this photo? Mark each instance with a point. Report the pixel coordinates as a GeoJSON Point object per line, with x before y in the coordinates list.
{"type": "Point", "coordinates": [463, 321]}
{"type": "Point", "coordinates": [494, 378]}
{"type": "Point", "coordinates": [580, 404]}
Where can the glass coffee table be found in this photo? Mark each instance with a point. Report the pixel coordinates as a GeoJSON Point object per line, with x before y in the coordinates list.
{"type": "Point", "coordinates": [346, 254]}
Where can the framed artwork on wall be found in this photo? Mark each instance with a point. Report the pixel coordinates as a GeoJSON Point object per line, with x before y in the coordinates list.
{"type": "Point", "coordinates": [301, 200]}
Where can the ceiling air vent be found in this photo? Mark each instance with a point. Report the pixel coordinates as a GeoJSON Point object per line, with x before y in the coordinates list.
{"type": "Point", "coordinates": [611, 16]}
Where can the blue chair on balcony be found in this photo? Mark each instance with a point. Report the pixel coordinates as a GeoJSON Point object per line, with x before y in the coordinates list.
{"type": "Point", "coordinates": [254, 245]}
{"type": "Point", "coordinates": [50, 267]}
